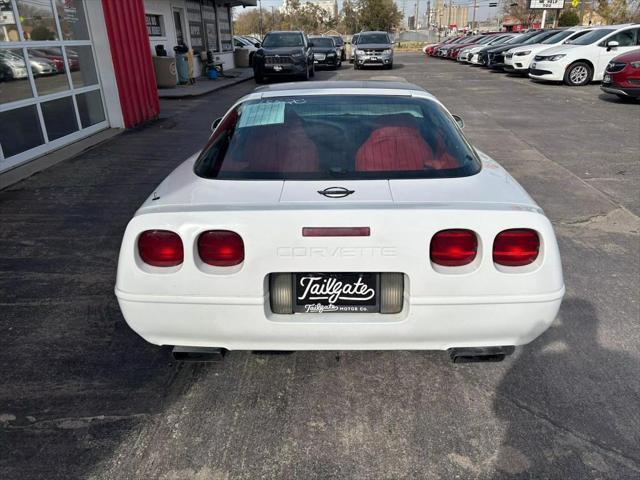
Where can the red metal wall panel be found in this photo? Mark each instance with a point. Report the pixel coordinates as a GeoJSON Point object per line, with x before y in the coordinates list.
{"type": "Point", "coordinates": [131, 60]}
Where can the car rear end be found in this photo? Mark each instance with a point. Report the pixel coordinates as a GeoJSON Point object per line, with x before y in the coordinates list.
{"type": "Point", "coordinates": [421, 302]}
{"type": "Point", "coordinates": [423, 244]}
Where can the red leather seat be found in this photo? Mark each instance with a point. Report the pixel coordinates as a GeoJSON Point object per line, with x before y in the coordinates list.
{"type": "Point", "coordinates": [399, 146]}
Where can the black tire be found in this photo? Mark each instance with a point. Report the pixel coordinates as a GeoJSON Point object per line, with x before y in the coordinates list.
{"type": "Point", "coordinates": [251, 59]}
{"type": "Point", "coordinates": [258, 77]}
{"type": "Point", "coordinates": [313, 70]}
{"type": "Point", "coordinates": [578, 74]}
{"type": "Point", "coordinates": [390, 66]}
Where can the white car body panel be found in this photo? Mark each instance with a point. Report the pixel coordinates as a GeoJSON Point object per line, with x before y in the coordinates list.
{"type": "Point", "coordinates": [598, 56]}
{"type": "Point", "coordinates": [480, 304]}
{"type": "Point", "coordinates": [521, 62]}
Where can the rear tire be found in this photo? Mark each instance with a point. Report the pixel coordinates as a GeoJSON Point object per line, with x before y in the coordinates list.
{"type": "Point", "coordinates": [313, 70]}
{"type": "Point", "coordinates": [578, 74]}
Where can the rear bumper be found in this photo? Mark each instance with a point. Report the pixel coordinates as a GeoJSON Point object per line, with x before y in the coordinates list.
{"type": "Point", "coordinates": [425, 323]}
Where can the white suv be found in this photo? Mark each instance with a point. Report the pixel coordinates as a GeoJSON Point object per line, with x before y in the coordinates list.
{"type": "Point", "coordinates": [518, 59]}
{"type": "Point", "coordinates": [584, 59]}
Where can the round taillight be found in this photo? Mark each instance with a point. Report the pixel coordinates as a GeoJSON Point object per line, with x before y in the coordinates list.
{"type": "Point", "coordinates": [516, 247]}
{"type": "Point", "coordinates": [453, 248]}
{"type": "Point", "coordinates": [221, 248]}
{"type": "Point", "coordinates": [160, 248]}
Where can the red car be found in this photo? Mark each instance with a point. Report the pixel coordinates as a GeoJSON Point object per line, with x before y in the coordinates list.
{"type": "Point", "coordinates": [622, 76]}
{"type": "Point", "coordinates": [433, 49]}
{"type": "Point", "coordinates": [453, 52]}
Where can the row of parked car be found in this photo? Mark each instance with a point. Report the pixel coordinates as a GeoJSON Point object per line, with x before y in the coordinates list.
{"type": "Point", "coordinates": [43, 61]}
{"type": "Point", "coordinates": [575, 56]}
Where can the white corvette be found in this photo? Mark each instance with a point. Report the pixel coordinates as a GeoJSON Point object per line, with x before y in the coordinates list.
{"type": "Point", "coordinates": [337, 216]}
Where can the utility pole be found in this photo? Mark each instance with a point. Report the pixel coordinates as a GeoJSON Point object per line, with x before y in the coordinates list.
{"type": "Point", "coordinates": [582, 2]}
{"type": "Point", "coordinates": [449, 21]}
{"type": "Point", "coordinates": [473, 21]}
{"type": "Point", "coordinates": [260, 8]}
{"type": "Point", "coordinates": [417, 14]}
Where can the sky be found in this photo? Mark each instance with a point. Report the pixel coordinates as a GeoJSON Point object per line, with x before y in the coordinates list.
{"type": "Point", "coordinates": [482, 13]}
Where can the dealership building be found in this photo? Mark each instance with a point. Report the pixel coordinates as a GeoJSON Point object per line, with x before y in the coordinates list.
{"type": "Point", "coordinates": [70, 69]}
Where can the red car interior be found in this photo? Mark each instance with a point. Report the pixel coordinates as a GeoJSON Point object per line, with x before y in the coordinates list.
{"type": "Point", "coordinates": [399, 146]}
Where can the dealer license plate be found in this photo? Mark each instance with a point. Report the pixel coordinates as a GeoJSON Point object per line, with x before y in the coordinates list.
{"type": "Point", "coordinates": [374, 59]}
{"type": "Point", "coordinates": [607, 79]}
{"type": "Point", "coordinates": [337, 292]}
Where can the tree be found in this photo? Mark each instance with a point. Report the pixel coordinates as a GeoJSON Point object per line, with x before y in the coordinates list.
{"type": "Point", "coordinates": [519, 10]}
{"type": "Point", "coordinates": [348, 18]}
{"type": "Point", "coordinates": [378, 15]}
{"type": "Point", "coordinates": [568, 18]}
{"type": "Point", "coordinates": [617, 11]}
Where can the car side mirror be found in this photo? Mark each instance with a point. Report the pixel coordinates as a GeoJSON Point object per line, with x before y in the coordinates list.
{"type": "Point", "coordinates": [612, 44]}
{"type": "Point", "coordinates": [257, 45]}
{"type": "Point", "coordinates": [215, 123]}
{"type": "Point", "coordinates": [459, 120]}
{"type": "Point", "coordinates": [311, 44]}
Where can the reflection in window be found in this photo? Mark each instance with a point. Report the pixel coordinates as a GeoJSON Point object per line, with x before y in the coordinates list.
{"type": "Point", "coordinates": [8, 29]}
{"type": "Point", "coordinates": [20, 130]}
{"type": "Point", "coordinates": [49, 70]}
{"type": "Point", "coordinates": [37, 20]}
{"type": "Point", "coordinates": [90, 108]}
{"type": "Point", "coordinates": [73, 21]}
{"type": "Point", "coordinates": [59, 117]}
{"type": "Point", "coordinates": [14, 78]}
{"type": "Point", "coordinates": [83, 70]}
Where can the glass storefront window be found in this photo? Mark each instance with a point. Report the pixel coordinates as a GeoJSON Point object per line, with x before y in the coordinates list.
{"type": "Point", "coordinates": [90, 108]}
{"type": "Point", "coordinates": [8, 28]}
{"type": "Point", "coordinates": [49, 70]}
{"type": "Point", "coordinates": [20, 130]}
{"type": "Point", "coordinates": [38, 22]}
{"type": "Point", "coordinates": [39, 80]}
{"type": "Point", "coordinates": [73, 21]}
{"type": "Point", "coordinates": [59, 117]}
{"type": "Point", "coordinates": [14, 78]}
{"type": "Point", "coordinates": [83, 70]}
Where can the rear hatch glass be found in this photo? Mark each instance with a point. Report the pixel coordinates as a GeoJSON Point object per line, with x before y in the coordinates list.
{"type": "Point", "coordinates": [322, 137]}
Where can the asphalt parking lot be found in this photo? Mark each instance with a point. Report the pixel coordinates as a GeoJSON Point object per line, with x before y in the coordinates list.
{"type": "Point", "coordinates": [84, 397]}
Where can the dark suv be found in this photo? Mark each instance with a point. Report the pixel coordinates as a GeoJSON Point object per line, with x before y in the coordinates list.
{"type": "Point", "coordinates": [284, 53]}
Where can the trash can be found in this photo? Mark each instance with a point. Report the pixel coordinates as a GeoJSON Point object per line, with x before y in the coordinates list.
{"type": "Point", "coordinates": [165, 68]}
{"type": "Point", "coordinates": [182, 64]}
{"type": "Point", "coordinates": [241, 57]}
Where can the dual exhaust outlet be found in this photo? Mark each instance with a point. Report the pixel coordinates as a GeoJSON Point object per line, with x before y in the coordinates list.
{"type": "Point", "coordinates": [457, 355]}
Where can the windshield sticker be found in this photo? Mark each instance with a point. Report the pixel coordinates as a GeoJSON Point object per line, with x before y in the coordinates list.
{"type": "Point", "coordinates": [262, 114]}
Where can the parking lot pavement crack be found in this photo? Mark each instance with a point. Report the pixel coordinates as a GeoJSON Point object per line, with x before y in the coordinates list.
{"type": "Point", "coordinates": [622, 457]}
{"type": "Point", "coordinates": [619, 220]}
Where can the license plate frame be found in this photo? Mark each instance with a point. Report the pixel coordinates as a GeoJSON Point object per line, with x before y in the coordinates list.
{"type": "Point", "coordinates": [319, 292]}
